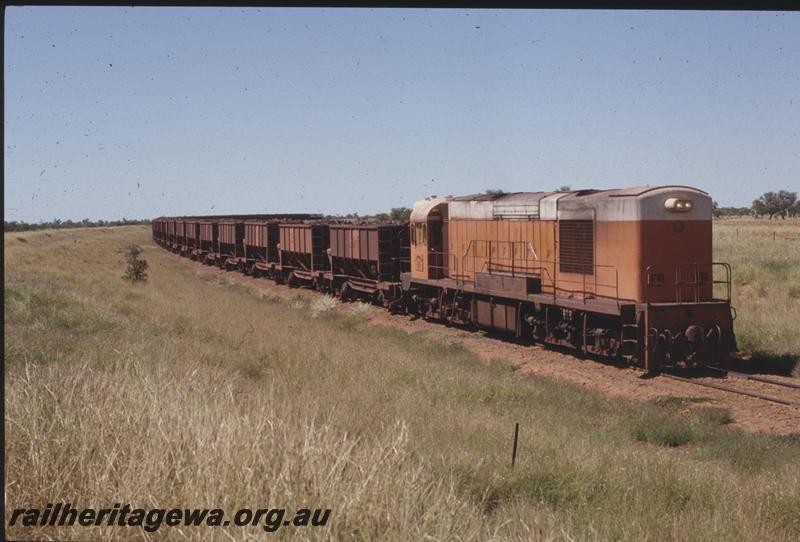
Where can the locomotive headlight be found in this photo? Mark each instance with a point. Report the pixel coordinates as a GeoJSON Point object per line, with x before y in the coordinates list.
{"type": "Point", "coordinates": [678, 205]}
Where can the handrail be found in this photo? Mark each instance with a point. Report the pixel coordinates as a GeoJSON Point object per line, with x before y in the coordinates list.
{"type": "Point", "coordinates": [534, 266]}
{"type": "Point", "coordinates": [696, 283]}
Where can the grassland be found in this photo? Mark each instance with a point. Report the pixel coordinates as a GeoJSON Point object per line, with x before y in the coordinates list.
{"type": "Point", "coordinates": [194, 391]}
{"type": "Point", "coordinates": [765, 256]}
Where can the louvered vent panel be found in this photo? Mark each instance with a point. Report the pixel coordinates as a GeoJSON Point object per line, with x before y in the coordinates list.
{"type": "Point", "coordinates": [516, 210]}
{"type": "Point", "coordinates": [576, 246]}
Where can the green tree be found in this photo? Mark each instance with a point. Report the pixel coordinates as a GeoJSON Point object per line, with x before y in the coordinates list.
{"type": "Point", "coordinates": [759, 208]}
{"type": "Point", "coordinates": [137, 267]}
{"type": "Point", "coordinates": [400, 213]}
{"type": "Point", "coordinates": [775, 203]}
{"type": "Point", "coordinates": [788, 200]}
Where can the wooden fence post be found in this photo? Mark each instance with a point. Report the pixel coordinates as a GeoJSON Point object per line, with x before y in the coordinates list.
{"type": "Point", "coordinates": [514, 451]}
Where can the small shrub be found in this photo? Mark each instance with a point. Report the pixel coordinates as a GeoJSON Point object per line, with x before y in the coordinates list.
{"type": "Point", "coordinates": [713, 416]}
{"type": "Point", "coordinates": [251, 369]}
{"type": "Point", "coordinates": [322, 305]}
{"type": "Point", "coordinates": [137, 267]}
{"type": "Point", "coordinates": [267, 297]}
{"type": "Point", "coordinates": [361, 311]}
{"type": "Point", "coordinates": [352, 323]}
{"type": "Point", "coordinates": [661, 430]}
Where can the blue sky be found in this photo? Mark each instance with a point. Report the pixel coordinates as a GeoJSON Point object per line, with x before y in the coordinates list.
{"type": "Point", "coordinates": [139, 112]}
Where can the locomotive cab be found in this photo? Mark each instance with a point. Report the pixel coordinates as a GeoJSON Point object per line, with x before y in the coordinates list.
{"type": "Point", "coordinates": [429, 220]}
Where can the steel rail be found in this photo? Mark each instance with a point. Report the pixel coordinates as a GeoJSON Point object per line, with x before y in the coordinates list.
{"type": "Point", "coordinates": [732, 390]}
{"type": "Point", "coordinates": [757, 378]}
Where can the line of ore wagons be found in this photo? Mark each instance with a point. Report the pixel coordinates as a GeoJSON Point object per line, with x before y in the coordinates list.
{"type": "Point", "coordinates": [352, 259]}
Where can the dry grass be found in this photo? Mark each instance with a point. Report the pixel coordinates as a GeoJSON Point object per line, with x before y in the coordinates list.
{"type": "Point", "coordinates": [765, 256]}
{"type": "Point", "coordinates": [194, 391]}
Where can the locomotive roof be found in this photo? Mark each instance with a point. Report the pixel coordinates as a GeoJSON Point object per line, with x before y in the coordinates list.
{"type": "Point", "coordinates": [632, 191]}
{"type": "Point", "coordinates": [633, 203]}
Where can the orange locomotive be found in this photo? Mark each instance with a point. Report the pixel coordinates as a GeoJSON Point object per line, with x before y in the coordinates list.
{"type": "Point", "coordinates": [625, 273]}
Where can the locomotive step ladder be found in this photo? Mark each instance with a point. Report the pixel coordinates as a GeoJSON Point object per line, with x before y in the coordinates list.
{"type": "Point", "coordinates": [629, 334]}
{"type": "Point", "coordinates": [630, 341]}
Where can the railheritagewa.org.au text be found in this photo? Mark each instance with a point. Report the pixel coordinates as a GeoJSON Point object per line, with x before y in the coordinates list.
{"type": "Point", "coordinates": [153, 519]}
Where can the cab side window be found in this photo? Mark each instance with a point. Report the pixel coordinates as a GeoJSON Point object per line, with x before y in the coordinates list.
{"type": "Point", "coordinates": [419, 234]}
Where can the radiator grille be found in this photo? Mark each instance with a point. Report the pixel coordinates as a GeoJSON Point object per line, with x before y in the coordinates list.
{"type": "Point", "coordinates": [576, 246]}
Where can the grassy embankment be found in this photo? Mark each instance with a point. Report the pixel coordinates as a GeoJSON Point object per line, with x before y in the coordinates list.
{"type": "Point", "coordinates": [765, 257]}
{"type": "Point", "coordinates": [193, 391]}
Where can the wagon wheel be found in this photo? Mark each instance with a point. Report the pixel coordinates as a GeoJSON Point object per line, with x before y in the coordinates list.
{"type": "Point", "coordinates": [346, 292]}
{"type": "Point", "coordinates": [380, 299]}
{"type": "Point", "coordinates": [315, 284]}
{"type": "Point", "coordinates": [292, 281]}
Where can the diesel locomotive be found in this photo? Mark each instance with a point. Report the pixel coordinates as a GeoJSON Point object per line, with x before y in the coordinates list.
{"type": "Point", "coordinates": [624, 273]}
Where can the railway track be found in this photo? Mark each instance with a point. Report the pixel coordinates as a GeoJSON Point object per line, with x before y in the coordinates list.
{"type": "Point", "coordinates": [757, 378]}
{"type": "Point", "coordinates": [750, 393]}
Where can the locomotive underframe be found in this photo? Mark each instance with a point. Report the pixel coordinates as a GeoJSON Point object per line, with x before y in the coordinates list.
{"type": "Point", "coordinates": [646, 334]}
